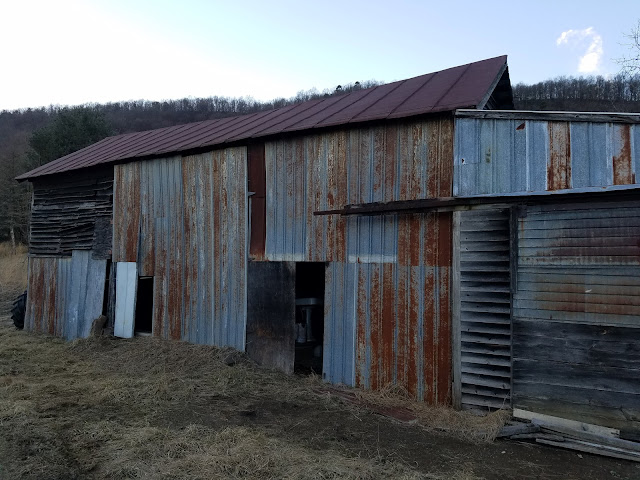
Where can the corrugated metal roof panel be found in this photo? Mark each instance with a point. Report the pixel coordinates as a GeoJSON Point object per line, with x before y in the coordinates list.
{"type": "Point", "coordinates": [458, 87]}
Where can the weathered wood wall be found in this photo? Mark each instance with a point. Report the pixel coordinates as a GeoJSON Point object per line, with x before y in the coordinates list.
{"type": "Point", "coordinates": [576, 313]}
{"type": "Point", "coordinates": [72, 212]}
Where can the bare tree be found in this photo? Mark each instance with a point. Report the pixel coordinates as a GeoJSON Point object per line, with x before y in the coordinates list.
{"type": "Point", "coordinates": [630, 63]}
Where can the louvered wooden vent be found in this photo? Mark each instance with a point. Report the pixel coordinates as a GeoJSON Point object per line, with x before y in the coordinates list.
{"type": "Point", "coordinates": [484, 370]}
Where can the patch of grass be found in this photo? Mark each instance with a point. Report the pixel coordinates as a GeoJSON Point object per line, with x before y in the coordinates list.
{"type": "Point", "coordinates": [13, 274]}
{"type": "Point", "coordinates": [146, 408]}
{"type": "Point", "coordinates": [461, 424]}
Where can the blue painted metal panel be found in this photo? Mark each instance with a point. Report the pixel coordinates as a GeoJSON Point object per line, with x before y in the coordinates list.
{"type": "Point", "coordinates": [339, 324]}
{"type": "Point", "coordinates": [499, 156]}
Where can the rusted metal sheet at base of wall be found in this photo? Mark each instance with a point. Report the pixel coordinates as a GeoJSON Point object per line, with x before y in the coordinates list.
{"type": "Point", "coordinates": [189, 234]}
{"type": "Point", "coordinates": [390, 322]}
{"type": "Point", "coordinates": [65, 294]}
{"type": "Point", "coordinates": [323, 172]}
{"type": "Point", "coordinates": [496, 156]}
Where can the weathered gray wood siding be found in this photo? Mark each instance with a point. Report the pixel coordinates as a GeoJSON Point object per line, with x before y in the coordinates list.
{"type": "Point", "coordinates": [576, 313]}
{"type": "Point", "coordinates": [72, 212]}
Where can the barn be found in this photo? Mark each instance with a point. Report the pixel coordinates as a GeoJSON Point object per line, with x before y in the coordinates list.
{"type": "Point", "coordinates": [420, 233]}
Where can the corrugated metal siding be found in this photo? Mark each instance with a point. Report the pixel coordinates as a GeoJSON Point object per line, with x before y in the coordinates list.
{"type": "Point", "coordinates": [389, 323]}
{"type": "Point", "coordinates": [495, 156]}
{"type": "Point", "coordinates": [321, 172]}
{"type": "Point", "coordinates": [387, 307]}
{"type": "Point", "coordinates": [579, 264]}
{"type": "Point", "coordinates": [65, 294]}
{"type": "Point", "coordinates": [190, 233]}
{"type": "Point", "coordinates": [340, 323]}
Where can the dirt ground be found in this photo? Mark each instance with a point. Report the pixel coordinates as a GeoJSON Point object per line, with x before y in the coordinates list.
{"type": "Point", "coordinates": [144, 408]}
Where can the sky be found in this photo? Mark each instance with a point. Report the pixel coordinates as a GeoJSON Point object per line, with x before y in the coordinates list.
{"type": "Point", "coordinates": [70, 52]}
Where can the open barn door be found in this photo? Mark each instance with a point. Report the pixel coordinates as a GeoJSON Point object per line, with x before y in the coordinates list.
{"type": "Point", "coordinates": [482, 309]}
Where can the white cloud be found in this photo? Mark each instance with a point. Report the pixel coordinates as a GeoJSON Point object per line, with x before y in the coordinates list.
{"type": "Point", "coordinates": [589, 62]}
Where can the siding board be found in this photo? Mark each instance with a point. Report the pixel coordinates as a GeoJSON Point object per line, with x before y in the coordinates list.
{"type": "Point", "coordinates": [576, 333]}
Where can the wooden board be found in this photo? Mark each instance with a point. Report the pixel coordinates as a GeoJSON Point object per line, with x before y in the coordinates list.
{"type": "Point", "coordinates": [271, 314]}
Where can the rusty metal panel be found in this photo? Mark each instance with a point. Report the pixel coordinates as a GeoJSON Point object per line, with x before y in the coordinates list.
{"type": "Point", "coordinates": [465, 86]}
{"type": "Point", "coordinates": [559, 166]}
{"type": "Point", "coordinates": [500, 155]}
{"type": "Point", "coordinates": [390, 323]}
{"type": "Point", "coordinates": [579, 264]}
{"type": "Point", "coordinates": [194, 242]}
{"type": "Point", "coordinates": [65, 294]}
{"type": "Point", "coordinates": [403, 329]}
{"type": "Point", "coordinates": [340, 323]}
{"type": "Point", "coordinates": [126, 214]}
{"type": "Point", "coordinates": [320, 172]}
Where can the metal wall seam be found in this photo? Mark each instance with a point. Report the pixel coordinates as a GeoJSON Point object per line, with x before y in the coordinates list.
{"type": "Point", "coordinates": [496, 156]}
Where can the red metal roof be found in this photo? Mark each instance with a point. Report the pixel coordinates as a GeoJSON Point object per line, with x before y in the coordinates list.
{"type": "Point", "coordinates": [466, 86]}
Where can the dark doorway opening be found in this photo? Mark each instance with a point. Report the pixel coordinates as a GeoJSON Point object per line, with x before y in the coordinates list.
{"type": "Point", "coordinates": [144, 306]}
{"type": "Point", "coordinates": [309, 327]}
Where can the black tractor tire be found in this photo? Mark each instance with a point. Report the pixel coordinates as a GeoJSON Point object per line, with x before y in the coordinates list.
{"type": "Point", "coordinates": [18, 310]}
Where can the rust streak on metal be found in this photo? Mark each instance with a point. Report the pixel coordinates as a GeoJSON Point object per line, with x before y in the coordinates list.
{"type": "Point", "coordinates": [36, 293]}
{"type": "Point", "coordinates": [403, 157]}
{"type": "Point", "coordinates": [331, 180]}
{"type": "Point", "coordinates": [559, 167]}
{"type": "Point", "coordinates": [428, 340]}
{"type": "Point", "coordinates": [390, 162]}
{"type": "Point", "coordinates": [415, 293]}
{"type": "Point", "coordinates": [377, 189]}
{"type": "Point", "coordinates": [622, 166]}
{"type": "Point", "coordinates": [402, 326]}
{"type": "Point", "coordinates": [217, 250]}
{"type": "Point", "coordinates": [341, 195]}
{"type": "Point", "coordinates": [446, 157]}
{"type": "Point", "coordinates": [190, 174]}
{"type": "Point", "coordinates": [444, 240]}
{"type": "Point", "coordinates": [416, 180]}
{"type": "Point", "coordinates": [443, 339]}
{"type": "Point", "coordinates": [361, 336]}
{"type": "Point", "coordinates": [50, 296]}
{"type": "Point", "coordinates": [375, 320]}
{"type": "Point", "coordinates": [388, 322]}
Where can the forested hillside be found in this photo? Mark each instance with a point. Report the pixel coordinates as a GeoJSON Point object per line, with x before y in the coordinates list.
{"type": "Point", "coordinates": [32, 137]}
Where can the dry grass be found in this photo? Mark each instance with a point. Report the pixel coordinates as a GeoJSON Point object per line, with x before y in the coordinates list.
{"type": "Point", "coordinates": [461, 424]}
{"type": "Point", "coordinates": [145, 408]}
{"type": "Point", "coordinates": [13, 273]}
